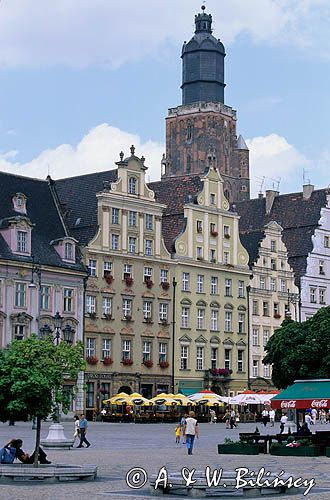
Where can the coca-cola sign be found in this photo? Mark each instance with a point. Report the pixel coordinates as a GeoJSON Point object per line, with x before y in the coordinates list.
{"type": "Point", "coordinates": [319, 403]}
{"type": "Point", "coordinates": [288, 404]}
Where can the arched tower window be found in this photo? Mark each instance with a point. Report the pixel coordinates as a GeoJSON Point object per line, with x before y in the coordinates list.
{"type": "Point", "coordinates": [132, 185]}
{"type": "Point", "coordinates": [189, 132]}
{"type": "Point", "coordinates": [188, 164]}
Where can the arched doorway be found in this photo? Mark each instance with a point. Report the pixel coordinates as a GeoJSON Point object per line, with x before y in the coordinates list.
{"type": "Point", "coordinates": [125, 388]}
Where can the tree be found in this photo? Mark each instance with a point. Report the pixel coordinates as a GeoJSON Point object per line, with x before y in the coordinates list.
{"type": "Point", "coordinates": [32, 376]}
{"type": "Point", "coordinates": [300, 350]}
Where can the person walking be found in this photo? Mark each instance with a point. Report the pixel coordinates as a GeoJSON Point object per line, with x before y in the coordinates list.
{"type": "Point", "coordinates": [226, 417]}
{"type": "Point", "coordinates": [314, 416]}
{"type": "Point", "coordinates": [272, 417]}
{"type": "Point", "coordinates": [178, 433]}
{"type": "Point", "coordinates": [283, 421]}
{"type": "Point", "coordinates": [232, 419]}
{"type": "Point", "coordinates": [308, 420]}
{"type": "Point", "coordinates": [76, 429]}
{"type": "Point", "coordinates": [182, 424]}
{"type": "Point", "coordinates": [213, 418]}
{"type": "Point", "coordinates": [191, 430]}
{"type": "Point", "coordinates": [265, 416]}
{"type": "Point", "coordinates": [83, 426]}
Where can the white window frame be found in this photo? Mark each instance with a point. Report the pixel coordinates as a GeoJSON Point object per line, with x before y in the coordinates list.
{"type": "Point", "coordinates": [90, 347]}
{"type": "Point", "coordinates": [107, 305]}
{"type": "Point", "coordinates": [106, 348]}
{"type": "Point", "coordinates": [255, 336]}
{"type": "Point", "coordinates": [241, 294]}
{"type": "Point", "coordinates": [92, 267]}
{"type": "Point", "coordinates": [200, 351]}
{"type": "Point", "coordinates": [228, 321]}
{"type": "Point", "coordinates": [214, 285]}
{"type": "Point", "coordinates": [185, 317]}
{"type": "Point", "coordinates": [127, 307]}
{"type": "Point", "coordinates": [90, 304]}
{"type": "Point", "coordinates": [200, 283]}
{"type": "Point", "coordinates": [45, 293]}
{"type": "Point", "coordinates": [255, 368]}
{"type": "Point", "coordinates": [22, 241]}
{"type": "Point", "coordinates": [185, 282]}
{"type": "Point", "coordinates": [149, 247]}
{"type": "Point", "coordinates": [126, 349]}
{"type": "Point", "coordinates": [132, 242]}
{"type": "Point", "coordinates": [164, 276]}
{"type": "Point", "coordinates": [241, 322]}
{"type": "Point", "coordinates": [240, 361]}
{"type": "Point", "coordinates": [147, 309]}
{"type": "Point", "coordinates": [115, 215]}
{"type": "Point", "coordinates": [163, 311]}
{"type": "Point", "coordinates": [265, 336]}
{"type": "Point", "coordinates": [68, 296]}
{"type": "Point", "coordinates": [228, 287]}
{"type": "Point", "coordinates": [114, 241]}
{"type": "Point", "coordinates": [146, 350]}
{"type": "Point", "coordinates": [68, 251]}
{"type": "Point", "coordinates": [132, 218]}
{"type": "Point", "coordinates": [132, 185]}
{"type": "Point", "coordinates": [149, 222]}
{"type": "Point", "coordinates": [184, 357]}
{"type": "Point", "coordinates": [162, 352]}
{"type": "Point", "coordinates": [214, 320]}
{"type": "Point", "coordinates": [200, 319]}
{"type": "Point", "coordinates": [214, 357]}
{"type": "Point", "coordinates": [227, 359]}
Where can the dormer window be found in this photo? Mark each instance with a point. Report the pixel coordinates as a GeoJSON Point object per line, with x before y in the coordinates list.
{"type": "Point", "coordinates": [132, 185]}
{"type": "Point", "coordinates": [19, 202]}
{"type": "Point", "coordinates": [68, 253]}
{"type": "Point", "coordinates": [22, 242]}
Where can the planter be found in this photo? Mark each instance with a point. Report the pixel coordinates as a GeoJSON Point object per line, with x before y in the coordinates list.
{"type": "Point", "coordinates": [277, 316]}
{"type": "Point", "coordinates": [164, 322]}
{"type": "Point", "coordinates": [129, 281]}
{"type": "Point", "coordinates": [300, 451]}
{"type": "Point", "coordinates": [108, 278]}
{"type": "Point", "coordinates": [107, 361]}
{"type": "Point", "coordinates": [227, 236]}
{"type": "Point", "coordinates": [165, 285]}
{"type": "Point", "coordinates": [238, 449]}
{"type": "Point", "coordinates": [92, 360]}
{"type": "Point", "coordinates": [127, 362]}
{"type": "Point", "coordinates": [214, 233]}
{"type": "Point", "coordinates": [148, 363]}
{"type": "Point", "coordinates": [220, 371]}
{"type": "Point", "coordinates": [149, 283]}
{"type": "Point", "coordinates": [164, 364]}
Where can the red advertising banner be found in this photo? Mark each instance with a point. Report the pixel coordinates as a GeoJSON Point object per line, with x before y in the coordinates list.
{"type": "Point", "coordinates": [300, 404]}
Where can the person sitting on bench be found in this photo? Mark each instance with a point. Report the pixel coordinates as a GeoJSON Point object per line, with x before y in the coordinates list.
{"type": "Point", "coordinates": [25, 458]}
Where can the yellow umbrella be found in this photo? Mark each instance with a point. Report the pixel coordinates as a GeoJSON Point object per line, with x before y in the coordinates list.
{"type": "Point", "coordinates": [183, 400]}
{"type": "Point", "coordinates": [164, 399]}
{"type": "Point", "coordinates": [115, 398]}
{"type": "Point", "coordinates": [131, 400]}
{"type": "Point", "coordinates": [210, 400]}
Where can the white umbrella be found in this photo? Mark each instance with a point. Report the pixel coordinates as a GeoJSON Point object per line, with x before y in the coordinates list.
{"type": "Point", "coordinates": [206, 394]}
{"type": "Point", "coordinates": [246, 399]}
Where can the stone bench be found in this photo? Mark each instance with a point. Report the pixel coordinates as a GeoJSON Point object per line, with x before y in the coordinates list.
{"type": "Point", "coordinates": [46, 473]}
{"type": "Point", "coordinates": [225, 488]}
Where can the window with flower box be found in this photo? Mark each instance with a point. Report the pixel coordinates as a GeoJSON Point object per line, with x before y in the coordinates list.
{"type": "Point", "coordinates": [185, 317]}
{"type": "Point", "coordinates": [128, 269]}
{"type": "Point", "coordinates": [126, 349]}
{"type": "Point", "coordinates": [164, 276]}
{"type": "Point", "coordinates": [106, 348]}
{"type": "Point", "coordinates": [107, 306]}
{"type": "Point", "coordinates": [199, 358]}
{"type": "Point", "coordinates": [163, 312]}
{"type": "Point", "coordinates": [162, 352]}
{"type": "Point", "coordinates": [115, 216]}
{"type": "Point", "coordinates": [107, 266]}
{"type": "Point", "coordinates": [184, 353]}
{"type": "Point", "coordinates": [147, 274]}
{"type": "Point", "coordinates": [146, 353]}
{"type": "Point", "coordinates": [90, 347]}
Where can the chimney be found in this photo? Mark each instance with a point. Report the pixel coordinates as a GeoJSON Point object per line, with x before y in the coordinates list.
{"type": "Point", "coordinates": [307, 191]}
{"type": "Point", "coordinates": [270, 197]}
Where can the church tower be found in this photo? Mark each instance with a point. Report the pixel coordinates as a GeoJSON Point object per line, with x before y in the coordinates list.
{"type": "Point", "coordinates": [202, 131]}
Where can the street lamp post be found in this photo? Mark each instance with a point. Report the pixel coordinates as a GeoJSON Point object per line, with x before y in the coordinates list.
{"type": "Point", "coordinates": [56, 438]}
{"type": "Point", "coordinates": [174, 283]}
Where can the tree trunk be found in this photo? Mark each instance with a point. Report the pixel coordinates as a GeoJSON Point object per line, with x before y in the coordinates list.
{"type": "Point", "coordinates": [36, 450]}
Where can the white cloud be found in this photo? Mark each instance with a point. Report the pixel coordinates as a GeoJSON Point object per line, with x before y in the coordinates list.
{"type": "Point", "coordinates": [80, 33]}
{"type": "Point", "coordinates": [98, 150]}
{"type": "Point", "coordinates": [273, 159]}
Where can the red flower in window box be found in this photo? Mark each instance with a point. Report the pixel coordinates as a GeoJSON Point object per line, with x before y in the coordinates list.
{"type": "Point", "coordinates": [277, 316]}
{"type": "Point", "coordinates": [128, 318]}
{"type": "Point", "coordinates": [127, 362]}
{"type": "Point", "coordinates": [129, 281]}
{"type": "Point", "coordinates": [107, 361]}
{"type": "Point", "coordinates": [149, 283]}
{"type": "Point", "coordinates": [108, 277]}
{"type": "Point", "coordinates": [165, 285]}
{"type": "Point", "coordinates": [92, 360]}
{"type": "Point", "coordinates": [214, 233]}
{"type": "Point", "coordinates": [148, 363]}
{"type": "Point", "coordinates": [220, 371]}
{"type": "Point", "coordinates": [164, 364]}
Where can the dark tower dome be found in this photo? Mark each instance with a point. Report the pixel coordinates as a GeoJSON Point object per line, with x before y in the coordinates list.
{"type": "Point", "coordinates": [203, 64]}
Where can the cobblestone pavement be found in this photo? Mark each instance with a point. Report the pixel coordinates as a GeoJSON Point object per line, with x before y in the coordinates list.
{"type": "Point", "coordinates": [117, 448]}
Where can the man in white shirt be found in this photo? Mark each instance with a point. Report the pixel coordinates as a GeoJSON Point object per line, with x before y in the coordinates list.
{"type": "Point", "coordinates": [284, 420]}
{"type": "Point", "coordinates": [265, 416]}
{"type": "Point", "coordinates": [272, 417]}
{"type": "Point", "coordinates": [314, 416]}
{"type": "Point", "coordinates": [191, 430]}
{"type": "Point", "coordinates": [308, 420]}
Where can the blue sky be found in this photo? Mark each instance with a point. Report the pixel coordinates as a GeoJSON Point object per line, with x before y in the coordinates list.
{"type": "Point", "coordinates": [81, 81]}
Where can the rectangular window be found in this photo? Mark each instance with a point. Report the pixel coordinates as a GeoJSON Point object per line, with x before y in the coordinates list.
{"type": "Point", "coordinates": [164, 276]}
{"type": "Point", "coordinates": [273, 284]}
{"type": "Point", "coordinates": [127, 308]}
{"type": "Point", "coordinates": [212, 199]}
{"type": "Point", "coordinates": [68, 251]}
{"type": "Point", "coordinates": [228, 287]}
{"type": "Point", "coordinates": [90, 347]}
{"type": "Point", "coordinates": [226, 232]}
{"type": "Point", "coordinates": [228, 359]}
{"type": "Point", "coordinates": [214, 285]}
{"type": "Point", "coordinates": [255, 368]}
{"type": "Point", "coordinates": [265, 308]}
{"type": "Point", "coordinates": [213, 229]}
{"type": "Point", "coordinates": [107, 266]}
{"type": "Point", "coordinates": [200, 319]}
{"type": "Point", "coordinates": [228, 321]}
{"type": "Point", "coordinates": [255, 336]}
{"type": "Point", "coordinates": [266, 371]}
{"type": "Point", "coordinates": [106, 348]}
{"type": "Point", "coordinates": [241, 322]}
{"type": "Point", "coordinates": [147, 274]}
{"type": "Point", "coordinates": [214, 357]}
{"type": "Point", "coordinates": [199, 358]}
{"type": "Point", "coordinates": [212, 256]}
{"type": "Point", "coordinates": [321, 267]}
{"type": "Point", "coordinates": [226, 259]}
{"type": "Point", "coordinates": [148, 247]}
{"type": "Point", "coordinates": [115, 216]}
{"type": "Point", "coordinates": [132, 218]}
{"type": "Point", "coordinates": [149, 222]}
{"type": "Point", "coordinates": [214, 320]}
{"type": "Point", "coordinates": [326, 241]}
{"type": "Point", "coordinates": [199, 253]}
{"type": "Point", "coordinates": [199, 226]}
{"type": "Point", "coordinates": [262, 282]}
{"type": "Point", "coordinates": [162, 352]}
{"type": "Point", "coordinates": [128, 271]}
{"type": "Point", "coordinates": [90, 304]}
{"type": "Point", "coordinates": [68, 300]}
{"type": "Point", "coordinates": [276, 309]}
{"type": "Point", "coordinates": [255, 308]}
{"type": "Point", "coordinates": [312, 295]}
{"type": "Point", "coordinates": [185, 282]}
{"type": "Point", "coordinates": [92, 267]}
{"type": "Point", "coordinates": [114, 242]}
{"type": "Point", "coordinates": [283, 286]}
{"type": "Point", "coordinates": [131, 245]}
{"type": "Point", "coordinates": [185, 313]}
{"type": "Point", "coordinates": [273, 246]}
{"type": "Point", "coordinates": [45, 298]}
{"type": "Point", "coordinates": [200, 283]}
{"type": "Point", "coordinates": [146, 351]}
{"type": "Point", "coordinates": [265, 337]}
{"type": "Point", "coordinates": [22, 241]}
{"type": "Point", "coordinates": [126, 349]}
{"type": "Point", "coordinates": [147, 309]}
{"type": "Point", "coordinates": [240, 360]}
{"type": "Point", "coordinates": [163, 311]}
{"type": "Point", "coordinates": [322, 295]}
{"type": "Point", "coordinates": [184, 357]}
{"type": "Point", "coordinates": [241, 289]}
{"type": "Point", "coordinates": [90, 395]}
{"type": "Point", "coordinates": [273, 264]}
{"type": "Point", "coordinates": [107, 306]}
{"type": "Point", "coordinates": [19, 332]}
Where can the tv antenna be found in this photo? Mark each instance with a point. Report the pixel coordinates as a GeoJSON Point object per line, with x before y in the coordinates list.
{"type": "Point", "coordinates": [305, 179]}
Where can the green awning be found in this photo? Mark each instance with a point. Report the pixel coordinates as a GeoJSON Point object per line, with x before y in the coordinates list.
{"type": "Point", "coordinates": [304, 394]}
{"type": "Point", "coordinates": [188, 387]}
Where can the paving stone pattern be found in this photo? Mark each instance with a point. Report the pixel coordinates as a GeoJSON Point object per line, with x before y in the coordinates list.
{"type": "Point", "coordinates": [117, 448]}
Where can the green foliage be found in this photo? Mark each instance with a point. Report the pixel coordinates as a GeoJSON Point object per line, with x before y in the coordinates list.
{"type": "Point", "coordinates": [300, 350]}
{"type": "Point", "coordinates": [32, 375]}
{"type": "Point", "coordinates": [229, 441]}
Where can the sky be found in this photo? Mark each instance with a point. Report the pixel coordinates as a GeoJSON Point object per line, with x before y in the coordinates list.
{"type": "Point", "coordinates": [82, 81]}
